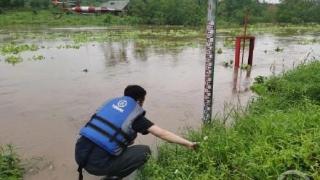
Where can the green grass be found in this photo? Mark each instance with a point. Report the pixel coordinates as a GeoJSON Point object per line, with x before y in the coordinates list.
{"type": "Point", "coordinates": [280, 131]}
{"type": "Point", "coordinates": [10, 167]}
{"type": "Point", "coordinates": [54, 18]}
{"type": "Point", "coordinates": [23, 18]}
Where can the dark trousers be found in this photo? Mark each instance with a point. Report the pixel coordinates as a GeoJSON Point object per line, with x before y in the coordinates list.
{"type": "Point", "coordinates": [100, 163]}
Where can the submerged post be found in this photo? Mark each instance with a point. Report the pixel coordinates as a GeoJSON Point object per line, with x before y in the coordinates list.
{"type": "Point", "coordinates": [210, 60]}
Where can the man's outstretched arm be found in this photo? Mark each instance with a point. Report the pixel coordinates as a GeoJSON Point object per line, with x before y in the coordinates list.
{"type": "Point", "coordinates": [171, 137]}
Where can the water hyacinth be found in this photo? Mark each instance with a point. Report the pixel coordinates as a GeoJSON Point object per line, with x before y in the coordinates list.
{"type": "Point", "coordinates": [13, 59]}
{"type": "Point", "coordinates": [12, 48]}
{"type": "Point", "coordinates": [38, 57]}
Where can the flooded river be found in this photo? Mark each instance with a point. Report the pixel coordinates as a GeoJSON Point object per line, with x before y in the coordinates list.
{"type": "Point", "coordinates": [45, 101]}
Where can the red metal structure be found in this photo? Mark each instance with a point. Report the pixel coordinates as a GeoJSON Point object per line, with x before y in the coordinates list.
{"type": "Point", "coordinates": [91, 9]}
{"type": "Point", "coordinates": [111, 6]}
{"type": "Point", "coordinates": [239, 39]}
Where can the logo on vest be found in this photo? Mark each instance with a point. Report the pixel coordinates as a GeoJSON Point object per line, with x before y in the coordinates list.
{"type": "Point", "coordinates": [121, 104]}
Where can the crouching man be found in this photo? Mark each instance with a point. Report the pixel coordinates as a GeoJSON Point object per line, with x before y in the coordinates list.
{"type": "Point", "coordinates": [104, 146]}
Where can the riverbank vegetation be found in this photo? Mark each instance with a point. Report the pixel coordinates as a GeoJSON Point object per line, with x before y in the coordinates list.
{"type": "Point", "coordinates": [278, 132]}
{"type": "Point", "coordinates": [10, 167]}
{"type": "Point", "coordinates": [163, 12]}
{"type": "Point", "coordinates": [28, 45]}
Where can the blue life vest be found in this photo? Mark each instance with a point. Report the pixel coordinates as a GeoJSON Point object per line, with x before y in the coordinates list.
{"type": "Point", "coordinates": [111, 126]}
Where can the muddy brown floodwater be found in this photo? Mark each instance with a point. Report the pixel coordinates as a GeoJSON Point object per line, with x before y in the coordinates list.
{"type": "Point", "coordinates": [45, 103]}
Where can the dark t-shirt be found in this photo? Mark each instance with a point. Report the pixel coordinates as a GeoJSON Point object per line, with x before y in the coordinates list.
{"type": "Point", "coordinates": [141, 125]}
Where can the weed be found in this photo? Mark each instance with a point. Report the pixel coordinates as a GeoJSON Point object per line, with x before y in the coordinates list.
{"type": "Point", "coordinates": [228, 42]}
{"type": "Point", "coordinates": [10, 167]}
{"type": "Point", "coordinates": [13, 59]}
{"type": "Point", "coordinates": [245, 66]}
{"type": "Point", "coordinates": [228, 63]}
{"type": "Point", "coordinates": [259, 80]}
{"type": "Point", "coordinates": [38, 57]}
{"type": "Point", "coordinates": [69, 46]}
{"type": "Point", "coordinates": [278, 49]}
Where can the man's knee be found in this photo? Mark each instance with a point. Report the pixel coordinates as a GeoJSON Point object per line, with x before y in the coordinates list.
{"type": "Point", "coordinates": [145, 152]}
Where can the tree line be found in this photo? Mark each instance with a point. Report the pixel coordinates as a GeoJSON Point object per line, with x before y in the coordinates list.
{"type": "Point", "coordinates": [14, 4]}
{"type": "Point", "coordinates": [193, 12]}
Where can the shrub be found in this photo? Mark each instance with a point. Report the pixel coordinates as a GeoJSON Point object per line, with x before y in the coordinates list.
{"type": "Point", "coordinates": [10, 167]}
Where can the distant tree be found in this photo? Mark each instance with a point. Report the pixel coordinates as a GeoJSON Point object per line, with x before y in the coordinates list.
{"type": "Point", "coordinates": [35, 4]}
{"type": "Point", "coordinates": [11, 3]}
{"type": "Point", "coordinates": [5, 3]}
{"type": "Point", "coordinates": [234, 10]}
{"type": "Point", "coordinates": [298, 11]}
{"type": "Point", "coordinates": [177, 12]}
{"type": "Point", "coordinates": [17, 3]}
{"type": "Point", "coordinates": [137, 7]}
{"type": "Point", "coordinates": [45, 4]}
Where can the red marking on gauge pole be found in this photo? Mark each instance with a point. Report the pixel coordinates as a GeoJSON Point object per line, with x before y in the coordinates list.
{"type": "Point", "coordinates": [210, 60]}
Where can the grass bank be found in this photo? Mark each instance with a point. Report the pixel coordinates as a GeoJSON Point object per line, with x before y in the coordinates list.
{"type": "Point", "coordinates": [10, 167]}
{"type": "Point", "coordinates": [279, 132]}
{"type": "Point", "coordinates": [53, 18]}
{"type": "Point", "coordinates": [50, 18]}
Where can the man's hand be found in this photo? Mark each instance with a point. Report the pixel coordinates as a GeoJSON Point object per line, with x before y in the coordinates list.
{"type": "Point", "coordinates": [193, 145]}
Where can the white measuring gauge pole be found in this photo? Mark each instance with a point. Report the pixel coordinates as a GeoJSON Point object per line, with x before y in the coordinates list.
{"type": "Point", "coordinates": [210, 60]}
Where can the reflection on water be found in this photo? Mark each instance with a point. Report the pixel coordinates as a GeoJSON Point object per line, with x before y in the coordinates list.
{"type": "Point", "coordinates": [241, 80]}
{"type": "Point", "coordinates": [44, 103]}
{"type": "Point", "coordinates": [114, 53]}
{"type": "Point", "coordinates": [140, 52]}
